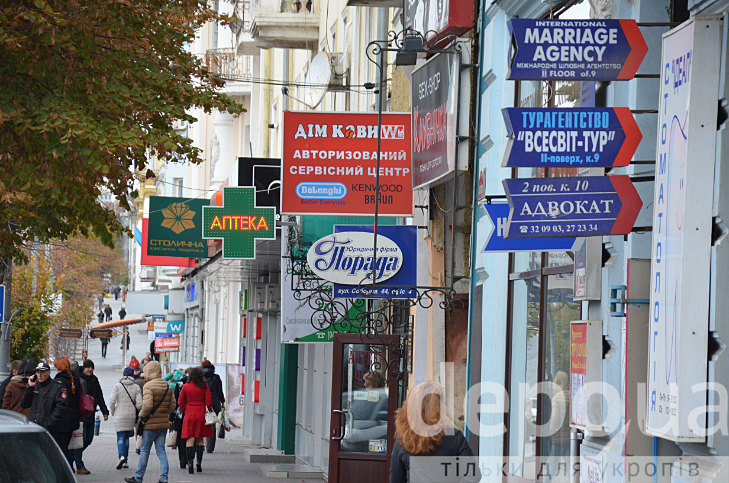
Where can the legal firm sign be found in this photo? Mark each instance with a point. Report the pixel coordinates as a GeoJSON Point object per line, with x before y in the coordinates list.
{"type": "Point", "coordinates": [330, 164]}
{"type": "Point", "coordinates": [434, 101]}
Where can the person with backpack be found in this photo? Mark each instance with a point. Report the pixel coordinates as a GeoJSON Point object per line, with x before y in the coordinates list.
{"type": "Point", "coordinates": [124, 405]}
{"type": "Point", "coordinates": [158, 403]}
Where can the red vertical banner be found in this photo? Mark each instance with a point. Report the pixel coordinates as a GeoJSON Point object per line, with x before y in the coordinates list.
{"type": "Point", "coordinates": [578, 374]}
{"type": "Point", "coordinates": [258, 328]}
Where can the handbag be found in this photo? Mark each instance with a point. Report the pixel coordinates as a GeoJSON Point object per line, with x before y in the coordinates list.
{"type": "Point", "coordinates": [211, 418]}
{"type": "Point", "coordinates": [143, 421]}
{"type": "Point", "coordinates": [172, 439]}
{"type": "Point", "coordinates": [221, 432]}
{"type": "Point", "coordinates": [86, 405]}
{"type": "Point", "coordinates": [77, 438]}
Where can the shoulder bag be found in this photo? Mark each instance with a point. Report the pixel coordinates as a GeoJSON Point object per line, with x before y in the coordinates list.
{"type": "Point", "coordinates": [86, 404]}
{"type": "Point", "coordinates": [143, 421]}
{"type": "Point", "coordinates": [132, 400]}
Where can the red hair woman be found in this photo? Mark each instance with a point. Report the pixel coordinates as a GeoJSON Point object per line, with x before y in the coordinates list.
{"type": "Point", "coordinates": [72, 393]}
{"type": "Point", "coordinates": [195, 400]}
{"type": "Point", "coordinates": [423, 429]}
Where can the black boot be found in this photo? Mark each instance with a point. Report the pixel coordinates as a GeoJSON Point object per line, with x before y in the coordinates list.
{"type": "Point", "coordinates": [182, 450]}
{"type": "Point", "coordinates": [200, 451]}
{"type": "Point", "coordinates": [190, 459]}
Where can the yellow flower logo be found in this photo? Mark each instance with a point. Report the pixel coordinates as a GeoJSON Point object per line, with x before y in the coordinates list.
{"type": "Point", "coordinates": [178, 217]}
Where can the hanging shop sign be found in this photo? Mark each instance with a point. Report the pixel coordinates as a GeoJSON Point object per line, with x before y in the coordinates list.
{"type": "Point", "coordinates": [70, 333]}
{"type": "Point", "coordinates": [167, 344]}
{"type": "Point", "coordinates": [434, 103]}
{"type": "Point", "coordinates": [605, 50]}
{"type": "Point", "coordinates": [433, 18]}
{"type": "Point", "coordinates": [580, 137]}
{"type": "Point", "coordinates": [175, 326]}
{"type": "Point", "coordinates": [496, 241]}
{"type": "Point", "coordinates": [174, 227]}
{"type": "Point", "coordinates": [346, 259]}
{"type": "Point", "coordinates": [99, 333]}
{"type": "Point", "coordinates": [330, 159]}
{"type": "Point", "coordinates": [400, 257]}
{"type": "Point", "coordinates": [586, 206]}
{"type": "Point", "coordinates": [239, 222]}
{"type": "Point", "coordinates": [681, 259]}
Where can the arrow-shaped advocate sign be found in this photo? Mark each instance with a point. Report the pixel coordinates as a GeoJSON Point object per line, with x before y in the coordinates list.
{"type": "Point", "coordinates": [586, 206]}
{"type": "Point", "coordinates": [556, 137]}
{"type": "Point", "coordinates": [575, 49]}
{"type": "Point", "coordinates": [498, 213]}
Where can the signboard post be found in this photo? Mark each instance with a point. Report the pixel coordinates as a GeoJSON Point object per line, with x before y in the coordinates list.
{"type": "Point", "coordinates": [434, 118]}
{"type": "Point", "coordinates": [239, 222]}
{"type": "Point", "coordinates": [329, 163]}
{"type": "Point", "coordinates": [545, 49]}
{"type": "Point", "coordinates": [682, 231]}
{"type": "Point", "coordinates": [586, 206]}
{"type": "Point", "coordinates": [174, 227]}
{"type": "Point", "coordinates": [2, 303]}
{"type": "Point", "coordinates": [580, 137]}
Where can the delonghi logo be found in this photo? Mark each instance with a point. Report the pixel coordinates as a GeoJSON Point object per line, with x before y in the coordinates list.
{"type": "Point", "coordinates": [322, 191]}
{"type": "Point", "coordinates": [347, 257]}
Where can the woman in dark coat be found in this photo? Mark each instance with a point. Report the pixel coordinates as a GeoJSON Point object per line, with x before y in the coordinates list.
{"type": "Point", "coordinates": [177, 419]}
{"type": "Point", "coordinates": [72, 387]}
{"type": "Point", "coordinates": [195, 400]}
{"type": "Point", "coordinates": [430, 434]}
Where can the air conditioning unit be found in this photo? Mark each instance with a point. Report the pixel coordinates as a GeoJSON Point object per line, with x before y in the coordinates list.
{"type": "Point", "coordinates": [339, 67]}
{"type": "Point", "coordinates": [148, 274]}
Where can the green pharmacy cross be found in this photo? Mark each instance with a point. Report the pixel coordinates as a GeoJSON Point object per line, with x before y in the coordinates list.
{"type": "Point", "coordinates": [239, 222]}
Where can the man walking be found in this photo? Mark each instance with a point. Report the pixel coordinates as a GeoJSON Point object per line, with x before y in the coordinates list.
{"type": "Point", "coordinates": [107, 311]}
{"type": "Point", "coordinates": [159, 402]}
{"type": "Point", "coordinates": [93, 389]}
{"type": "Point", "coordinates": [216, 391]}
{"type": "Point", "coordinates": [47, 400]}
{"type": "Point", "coordinates": [104, 343]}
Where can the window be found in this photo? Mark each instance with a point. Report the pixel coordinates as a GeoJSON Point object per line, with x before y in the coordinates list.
{"type": "Point", "coordinates": [177, 187]}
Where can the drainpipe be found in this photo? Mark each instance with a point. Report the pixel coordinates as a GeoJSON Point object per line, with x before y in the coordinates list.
{"type": "Point", "coordinates": [382, 31]}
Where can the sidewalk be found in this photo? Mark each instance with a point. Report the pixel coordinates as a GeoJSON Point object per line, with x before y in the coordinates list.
{"type": "Point", "coordinates": [225, 465]}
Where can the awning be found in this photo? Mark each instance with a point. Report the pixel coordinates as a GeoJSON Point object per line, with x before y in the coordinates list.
{"type": "Point", "coordinates": [117, 323]}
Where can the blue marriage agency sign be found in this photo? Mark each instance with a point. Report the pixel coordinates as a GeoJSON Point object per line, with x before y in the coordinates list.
{"type": "Point", "coordinates": [405, 237]}
{"type": "Point", "coordinates": [585, 206]}
{"type": "Point", "coordinates": [556, 137]}
{"type": "Point", "coordinates": [575, 49]}
{"type": "Point", "coordinates": [496, 241]}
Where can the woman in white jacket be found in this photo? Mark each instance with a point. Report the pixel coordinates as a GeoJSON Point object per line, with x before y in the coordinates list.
{"type": "Point", "coordinates": [126, 401]}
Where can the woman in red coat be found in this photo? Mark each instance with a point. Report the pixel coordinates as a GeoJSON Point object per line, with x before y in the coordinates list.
{"type": "Point", "coordinates": [195, 400]}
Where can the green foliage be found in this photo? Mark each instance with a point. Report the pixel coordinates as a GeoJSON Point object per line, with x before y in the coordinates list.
{"type": "Point", "coordinates": [33, 297]}
{"type": "Point", "coordinates": [89, 88]}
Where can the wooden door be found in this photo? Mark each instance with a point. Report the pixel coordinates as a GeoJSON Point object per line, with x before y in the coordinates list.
{"type": "Point", "coordinates": [365, 395]}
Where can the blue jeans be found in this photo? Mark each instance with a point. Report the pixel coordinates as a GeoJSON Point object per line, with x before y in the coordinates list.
{"type": "Point", "coordinates": [122, 443]}
{"type": "Point", "coordinates": [156, 436]}
{"type": "Point", "coordinates": [77, 454]}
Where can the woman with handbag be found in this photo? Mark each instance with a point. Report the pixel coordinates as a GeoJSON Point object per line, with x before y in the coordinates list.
{"type": "Point", "coordinates": [195, 402]}
{"type": "Point", "coordinates": [70, 421]}
{"type": "Point", "coordinates": [126, 401]}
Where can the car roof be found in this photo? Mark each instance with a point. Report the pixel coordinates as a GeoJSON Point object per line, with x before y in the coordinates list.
{"type": "Point", "coordinates": [12, 422]}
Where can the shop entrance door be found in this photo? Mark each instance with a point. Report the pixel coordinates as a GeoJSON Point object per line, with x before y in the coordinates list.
{"type": "Point", "coordinates": [365, 395]}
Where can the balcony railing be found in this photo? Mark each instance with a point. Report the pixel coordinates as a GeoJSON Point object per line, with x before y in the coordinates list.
{"type": "Point", "coordinates": [225, 63]}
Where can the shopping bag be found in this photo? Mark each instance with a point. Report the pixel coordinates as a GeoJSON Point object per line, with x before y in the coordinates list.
{"type": "Point", "coordinates": [77, 439]}
{"type": "Point", "coordinates": [221, 432]}
{"type": "Point", "coordinates": [172, 438]}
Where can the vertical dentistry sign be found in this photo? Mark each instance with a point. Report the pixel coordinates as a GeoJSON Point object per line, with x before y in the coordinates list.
{"type": "Point", "coordinates": [682, 224]}
{"type": "Point", "coordinates": [329, 164]}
